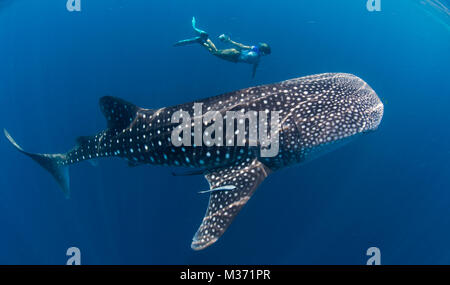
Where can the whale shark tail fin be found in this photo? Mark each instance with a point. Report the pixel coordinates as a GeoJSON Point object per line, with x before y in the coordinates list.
{"type": "Point", "coordinates": [54, 163]}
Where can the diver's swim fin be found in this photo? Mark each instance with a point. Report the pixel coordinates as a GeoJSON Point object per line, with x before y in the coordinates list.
{"type": "Point", "coordinates": [186, 42]}
{"type": "Point", "coordinates": [202, 36]}
{"type": "Point", "coordinates": [197, 30]}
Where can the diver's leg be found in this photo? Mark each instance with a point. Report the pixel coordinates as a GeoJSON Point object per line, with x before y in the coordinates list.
{"type": "Point", "coordinates": [210, 46]}
{"type": "Point", "coordinates": [230, 54]}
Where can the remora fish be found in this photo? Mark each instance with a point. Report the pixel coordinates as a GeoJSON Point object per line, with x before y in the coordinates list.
{"type": "Point", "coordinates": [316, 113]}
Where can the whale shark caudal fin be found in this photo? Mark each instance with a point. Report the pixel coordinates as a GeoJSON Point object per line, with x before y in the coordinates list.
{"type": "Point", "coordinates": [119, 114]}
{"type": "Point", "coordinates": [53, 163]}
{"type": "Point", "coordinates": [236, 183]}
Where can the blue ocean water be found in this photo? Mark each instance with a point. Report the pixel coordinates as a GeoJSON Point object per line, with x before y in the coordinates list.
{"type": "Point", "coordinates": [390, 189]}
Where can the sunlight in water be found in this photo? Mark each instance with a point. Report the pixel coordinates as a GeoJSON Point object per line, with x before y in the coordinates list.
{"type": "Point", "coordinates": [438, 10]}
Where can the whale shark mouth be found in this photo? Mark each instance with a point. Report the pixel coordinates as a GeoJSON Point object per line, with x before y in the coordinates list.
{"type": "Point", "coordinates": [377, 114]}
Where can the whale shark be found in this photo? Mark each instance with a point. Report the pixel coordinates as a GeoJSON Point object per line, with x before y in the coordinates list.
{"type": "Point", "coordinates": [315, 114]}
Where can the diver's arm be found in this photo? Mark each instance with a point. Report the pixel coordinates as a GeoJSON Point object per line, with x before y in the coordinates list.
{"type": "Point", "coordinates": [227, 39]}
{"type": "Point", "coordinates": [239, 45]}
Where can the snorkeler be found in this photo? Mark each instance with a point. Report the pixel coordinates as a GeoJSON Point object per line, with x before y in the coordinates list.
{"type": "Point", "coordinates": [239, 52]}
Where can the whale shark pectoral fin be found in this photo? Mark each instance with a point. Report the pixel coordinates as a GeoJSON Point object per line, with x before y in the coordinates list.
{"type": "Point", "coordinates": [236, 183]}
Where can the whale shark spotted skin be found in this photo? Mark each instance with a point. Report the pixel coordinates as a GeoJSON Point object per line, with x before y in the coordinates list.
{"type": "Point", "coordinates": [316, 113]}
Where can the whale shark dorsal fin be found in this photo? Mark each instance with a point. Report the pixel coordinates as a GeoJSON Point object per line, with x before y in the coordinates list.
{"type": "Point", "coordinates": [83, 139]}
{"type": "Point", "coordinates": [242, 179]}
{"type": "Point", "coordinates": [118, 112]}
